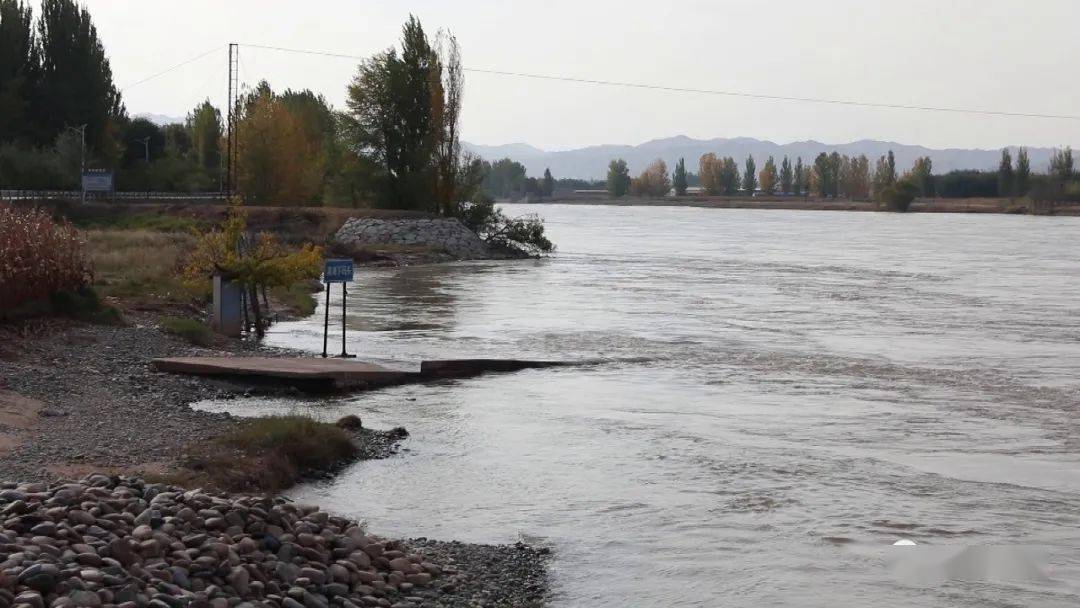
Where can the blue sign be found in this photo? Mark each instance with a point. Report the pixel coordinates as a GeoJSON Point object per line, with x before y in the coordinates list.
{"type": "Point", "coordinates": [97, 181]}
{"type": "Point", "coordinates": [338, 271]}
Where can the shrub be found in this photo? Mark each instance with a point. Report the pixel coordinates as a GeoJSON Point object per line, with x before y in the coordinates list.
{"type": "Point", "coordinates": [84, 305]}
{"type": "Point", "coordinates": [899, 196]}
{"type": "Point", "coordinates": [191, 330]}
{"type": "Point", "coordinates": [487, 220]}
{"type": "Point", "coordinates": [38, 257]}
{"type": "Point", "coordinates": [307, 443]}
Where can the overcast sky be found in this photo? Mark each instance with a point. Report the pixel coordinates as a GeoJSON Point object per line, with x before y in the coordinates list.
{"type": "Point", "coordinates": [989, 54]}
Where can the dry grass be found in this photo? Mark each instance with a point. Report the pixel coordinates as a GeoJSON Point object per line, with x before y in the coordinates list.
{"type": "Point", "coordinates": [141, 264]}
{"type": "Point", "coordinates": [38, 257]}
{"type": "Point", "coordinates": [266, 455]}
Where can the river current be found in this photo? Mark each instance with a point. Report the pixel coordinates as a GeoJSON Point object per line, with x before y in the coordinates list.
{"type": "Point", "coordinates": [782, 396]}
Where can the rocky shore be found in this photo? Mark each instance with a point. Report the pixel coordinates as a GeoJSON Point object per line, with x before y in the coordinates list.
{"type": "Point", "coordinates": [115, 541]}
{"type": "Point", "coordinates": [78, 400]}
{"type": "Point", "coordinates": [407, 241]}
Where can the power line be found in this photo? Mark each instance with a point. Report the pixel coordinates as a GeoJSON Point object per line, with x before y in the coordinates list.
{"type": "Point", "coordinates": [166, 71]}
{"type": "Point", "coordinates": [726, 93]}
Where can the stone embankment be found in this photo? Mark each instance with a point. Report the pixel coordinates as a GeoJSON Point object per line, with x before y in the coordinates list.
{"type": "Point", "coordinates": [115, 541]}
{"type": "Point", "coordinates": [445, 234]}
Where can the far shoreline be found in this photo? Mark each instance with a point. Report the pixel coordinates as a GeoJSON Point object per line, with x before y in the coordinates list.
{"type": "Point", "coordinates": [933, 205]}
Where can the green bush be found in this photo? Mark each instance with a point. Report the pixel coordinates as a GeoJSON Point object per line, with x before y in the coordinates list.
{"type": "Point", "coordinates": [487, 220]}
{"type": "Point", "coordinates": [191, 330]}
{"type": "Point", "coordinates": [85, 305]}
{"type": "Point", "coordinates": [306, 444]}
{"type": "Point", "coordinates": [899, 196]}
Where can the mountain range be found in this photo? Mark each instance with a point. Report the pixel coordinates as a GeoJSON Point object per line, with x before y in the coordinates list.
{"type": "Point", "coordinates": [592, 162]}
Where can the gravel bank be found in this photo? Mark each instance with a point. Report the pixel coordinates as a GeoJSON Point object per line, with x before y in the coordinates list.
{"type": "Point", "coordinates": [114, 541]}
{"type": "Point", "coordinates": [104, 407]}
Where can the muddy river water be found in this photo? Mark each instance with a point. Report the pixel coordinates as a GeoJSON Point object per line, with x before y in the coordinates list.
{"type": "Point", "coordinates": [784, 395]}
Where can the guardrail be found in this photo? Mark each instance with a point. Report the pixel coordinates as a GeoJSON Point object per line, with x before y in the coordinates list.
{"type": "Point", "coordinates": [75, 195]}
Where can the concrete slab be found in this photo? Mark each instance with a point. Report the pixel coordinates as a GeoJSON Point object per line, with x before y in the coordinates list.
{"type": "Point", "coordinates": [339, 373]}
{"type": "Point", "coordinates": [308, 368]}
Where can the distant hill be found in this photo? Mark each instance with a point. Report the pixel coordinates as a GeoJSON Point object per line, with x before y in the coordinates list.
{"type": "Point", "coordinates": [160, 119]}
{"type": "Point", "coordinates": [592, 162]}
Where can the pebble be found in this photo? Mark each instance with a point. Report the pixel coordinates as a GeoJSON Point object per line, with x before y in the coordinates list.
{"type": "Point", "coordinates": [172, 559]}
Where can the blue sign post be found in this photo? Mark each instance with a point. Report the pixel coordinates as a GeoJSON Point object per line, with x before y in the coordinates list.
{"type": "Point", "coordinates": [337, 271]}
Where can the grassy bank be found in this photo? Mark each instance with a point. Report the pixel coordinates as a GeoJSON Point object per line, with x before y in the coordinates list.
{"type": "Point", "coordinates": [267, 455]}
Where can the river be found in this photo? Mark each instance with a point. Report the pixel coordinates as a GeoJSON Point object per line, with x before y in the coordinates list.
{"type": "Point", "coordinates": [785, 395]}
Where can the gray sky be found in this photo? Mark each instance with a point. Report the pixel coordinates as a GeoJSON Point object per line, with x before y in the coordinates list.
{"type": "Point", "coordinates": [989, 54]}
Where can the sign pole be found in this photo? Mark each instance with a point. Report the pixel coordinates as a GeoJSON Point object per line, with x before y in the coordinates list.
{"type": "Point", "coordinates": [337, 271]}
{"type": "Point", "coordinates": [326, 321]}
{"type": "Point", "coordinates": [344, 296]}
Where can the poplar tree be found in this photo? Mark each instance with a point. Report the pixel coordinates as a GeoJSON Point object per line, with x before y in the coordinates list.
{"type": "Point", "coordinates": [205, 129]}
{"type": "Point", "coordinates": [749, 182]}
{"type": "Point", "coordinates": [76, 85]}
{"type": "Point", "coordinates": [679, 178]}
{"type": "Point", "coordinates": [786, 177]}
{"type": "Point", "coordinates": [19, 66]}
{"type": "Point", "coordinates": [547, 186]}
{"type": "Point", "coordinates": [799, 183]}
{"type": "Point", "coordinates": [1023, 173]}
{"type": "Point", "coordinates": [1006, 178]}
{"type": "Point", "coordinates": [618, 178]}
{"type": "Point", "coordinates": [768, 177]}
{"type": "Point", "coordinates": [822, 175]}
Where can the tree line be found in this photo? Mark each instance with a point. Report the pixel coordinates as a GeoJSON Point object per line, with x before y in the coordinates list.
{"type": "Point", "coordinates": [833, 175]}
{"type": "Point", "coordinates": [395, 145]}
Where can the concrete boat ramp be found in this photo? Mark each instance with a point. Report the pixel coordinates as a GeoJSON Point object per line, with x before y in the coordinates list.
{"type": "Point", "coordinates": [311, 372]}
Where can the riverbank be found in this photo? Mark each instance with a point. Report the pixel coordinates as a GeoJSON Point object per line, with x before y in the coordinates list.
{"type": "Point", "coordinates": [933, 205]}
{"type": "Point", "coordinates": [79, 400]}
{"type": "Point", "coordinates": [103, 541]}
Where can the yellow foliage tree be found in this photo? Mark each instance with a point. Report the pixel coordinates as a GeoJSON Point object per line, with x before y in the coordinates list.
{"type": "Point", "coordinates": [653, 181]}
{"type": "Point", "coordinates": [278, 162]}
{"type": "Point", "coordinates": [709, 168]}
{"type": "Point", "coordinates": [254, 261]}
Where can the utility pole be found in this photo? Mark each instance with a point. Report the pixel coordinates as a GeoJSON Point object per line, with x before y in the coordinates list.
{"type": "Point", "coordinates": [234, 91]}
{"type": "Point", "coordinates": [82, 161]}
{"type": "Point", "coordinates": [146, 144]}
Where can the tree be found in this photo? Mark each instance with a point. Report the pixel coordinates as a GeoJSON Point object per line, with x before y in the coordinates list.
{"type": "Point", "coordinates": [1022, 181]}
{"type": "Point", "coordinates": [503, 179]}
{"type": "Point", "coordinates": [144, 141]}
{"type": "Point", "coordinates": [768, 177]}
{"type": "Point", "coordinates": [729, 176]}
{"type": "Point", "coordinates": [787, 177]}
{"type": "Point", "coordinates": [547, 187]}
{"type": "Point", "coordinates": [276, 160]}
{"type": "Point", "coordinates": [709, 169]}
{"type": "Point", "coordinates": [855, 177]}
{"type": "Point", "coordinates": [835, 162]}
{"type": "Point", "coordinates": [76, 85]}
{"type": "Point", "coordinates": [618, 178]}
{"type": "Point", "coordinates": [884, 173]}
{"type": "Point", "coordinates": [1061, 164]}
{"type": "Point", "coordinates": [922, 175]}
{"type": "Point", "coordinates": [653, 181]}
{"type": "Point", "coordinates": [822, 175]}
{"type": "Point", "coordinates": [390, 118]}
{"type": "Point", "coordinates": [679, 178]}
{"type": "Point", "coordinates": [204, 128]}
{"type": "Point", "coordinates": [899, 195]}
{"type": "Point", "coordinates": [1006, 179]}
{"type": "Point", "coordinates": [749, 183]}
{"type": "Point", "coordinates": [798, 183]}
{"type": "Point", "coordinates": [19, 69]}
{"type": "Point", "coordinates": [256, 262]}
